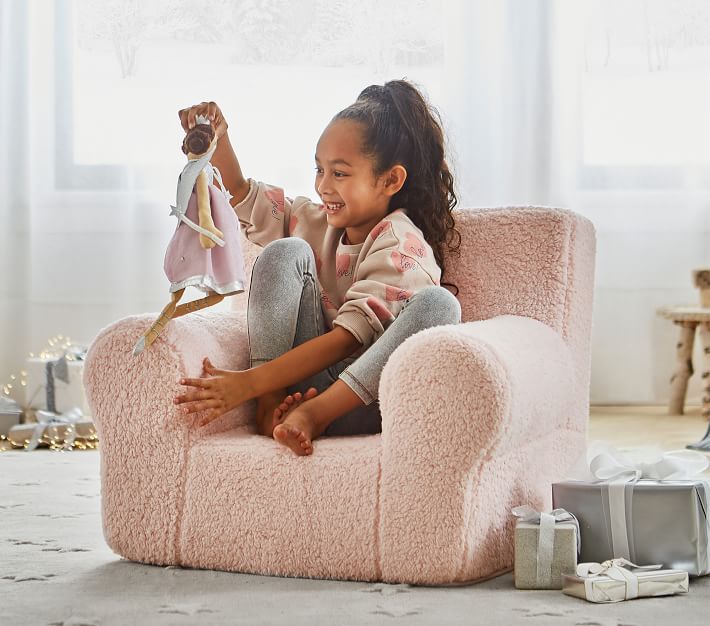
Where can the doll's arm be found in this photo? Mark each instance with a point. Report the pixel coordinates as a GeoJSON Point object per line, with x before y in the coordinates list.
{"type": "Point", "coordinates": [204, 212]}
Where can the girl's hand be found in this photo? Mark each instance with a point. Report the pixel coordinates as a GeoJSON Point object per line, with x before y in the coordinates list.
{"type": "Point", "coordinates": [223, 391]}
{"type": "Point", "coordinates": [209, 110]}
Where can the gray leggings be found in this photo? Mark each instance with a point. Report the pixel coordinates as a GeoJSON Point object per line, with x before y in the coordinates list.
{"type": "Point", "coordinates": [284, 311]}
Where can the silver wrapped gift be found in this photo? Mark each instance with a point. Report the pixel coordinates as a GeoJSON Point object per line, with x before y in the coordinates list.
{"type": "Point", "coordinates": [643, 512]}
{"type": "Point", "coordinates": [618, 579]}
{"type": "Point", "coordinates": [10, 414]}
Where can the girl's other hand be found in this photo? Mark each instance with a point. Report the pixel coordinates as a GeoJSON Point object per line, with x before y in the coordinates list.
{"type": "Point", "coordinates": [210, 110]}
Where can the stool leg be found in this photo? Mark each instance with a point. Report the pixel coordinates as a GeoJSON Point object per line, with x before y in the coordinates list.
{"type": "Point", "coordinates": [705, 341]}
{"type": "Point", "coordinates": [684, 368]}
{"type": "Point", "coordinates": [704, 443]}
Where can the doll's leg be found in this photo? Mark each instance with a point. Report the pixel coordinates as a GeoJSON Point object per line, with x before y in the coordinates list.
{"type": "Point", "coordinates": [433, 306]}
{"type": "Point", "coordinates": [165, 316]}
{"type": "Point", "coordinates": [196, 305]}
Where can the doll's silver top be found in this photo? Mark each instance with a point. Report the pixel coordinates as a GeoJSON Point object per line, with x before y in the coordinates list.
{"type": "Point", "coordinates": [188, 176]}
{"type": "Point", "coordinates": [186, 183]}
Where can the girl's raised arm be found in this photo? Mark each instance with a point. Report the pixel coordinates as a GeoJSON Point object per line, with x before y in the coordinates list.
{"type": "Point", "coordinates": [225, 160]}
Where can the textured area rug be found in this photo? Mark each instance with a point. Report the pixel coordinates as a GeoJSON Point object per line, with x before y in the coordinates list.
{"type": "Point", "coordinates": [55, 569]}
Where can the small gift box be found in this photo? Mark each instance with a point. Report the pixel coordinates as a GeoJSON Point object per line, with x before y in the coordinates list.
{"type": "Point", "coordinates": [618, 579]}
{"type": "Point", "coordinates": [546, 546]}
{"type": "Point", "coordinates": [645, 511]}
{"type": "Point", "coordinates": [63, 429]}
{"type": "Point", "coordinates": [10, 414]}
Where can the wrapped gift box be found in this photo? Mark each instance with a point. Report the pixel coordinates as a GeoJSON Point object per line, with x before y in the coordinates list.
{"type": "Point", "coordinates": [10, 414]}
{"type": "Point", "coordinates": [653, 510]}
{"type": "Point", "coordinates": [66, 394]}
{"type": "Point", "coordinates": [61, 428]}
{"type": "Point", "coordinates": [562, 560]}
{"type": "Point", "coordinates": [665, 522]}
{"type": "Point", "coordinates": [616, 580]}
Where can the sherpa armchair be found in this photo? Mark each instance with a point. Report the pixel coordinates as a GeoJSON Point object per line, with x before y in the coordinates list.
{"type": "Point", "coordinates": [476, 419]}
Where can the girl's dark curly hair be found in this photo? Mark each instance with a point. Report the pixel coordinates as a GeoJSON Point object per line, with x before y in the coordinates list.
{"type": "Point", "coordinates": [198, 139]}
{"type": "Point", "coordinates": [401, 127]}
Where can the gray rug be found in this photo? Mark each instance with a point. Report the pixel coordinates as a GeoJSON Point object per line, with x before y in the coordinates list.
{"type": "Point", "coordinates": [56, 569]}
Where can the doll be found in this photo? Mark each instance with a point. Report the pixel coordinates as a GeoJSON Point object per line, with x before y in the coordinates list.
{"type": "Point", "coordinates": [207, 254]}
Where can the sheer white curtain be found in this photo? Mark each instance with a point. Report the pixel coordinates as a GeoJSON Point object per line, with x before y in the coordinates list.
{"type": "Point", "coordinates": [586, 105]}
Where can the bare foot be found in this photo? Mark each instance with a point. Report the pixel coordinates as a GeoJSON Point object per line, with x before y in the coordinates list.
{"type": "Point", "coordinates": [299, 427]}
{"type": "Point", "coordinates": [271, 408]}
{"type": "Point", "coordinates": [291, 402]}
{"type": "Point", "coordinates": [265, 406]}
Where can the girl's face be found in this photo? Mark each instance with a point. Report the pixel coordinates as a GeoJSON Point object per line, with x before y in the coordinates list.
{"type": "Point", "coordinates": [353, 198]}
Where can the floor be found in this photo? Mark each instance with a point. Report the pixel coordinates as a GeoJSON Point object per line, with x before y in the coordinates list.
{"type": "Point", "coordinates": [56, 570]}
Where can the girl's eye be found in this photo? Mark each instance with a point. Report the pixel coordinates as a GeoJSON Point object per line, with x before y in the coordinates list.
{"type": "Point", "coordinates": [337, 174]}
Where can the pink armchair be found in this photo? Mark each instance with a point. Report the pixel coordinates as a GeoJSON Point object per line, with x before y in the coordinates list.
{"type": "Point", "coordinates": [477, 418]}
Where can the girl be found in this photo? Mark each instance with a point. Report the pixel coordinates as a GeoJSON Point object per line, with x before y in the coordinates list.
{"type": "Point", "coordinates": [342, 283]}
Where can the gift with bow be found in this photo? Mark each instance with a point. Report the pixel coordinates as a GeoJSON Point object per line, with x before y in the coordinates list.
{"type": "Point", "coordinates": [64, 428]}
{"type": "Point", "coordinates": [616, 580]}
{"type": "Point", "coordinates": [648, 508]}
{"type": "Point", "coordinates": [546, 546]}
{"type": "Point", "coordinates": [54, 380]}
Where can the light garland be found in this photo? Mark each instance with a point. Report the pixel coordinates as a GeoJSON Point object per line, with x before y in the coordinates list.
{"type": "Point", "coordinates": [53, 348]}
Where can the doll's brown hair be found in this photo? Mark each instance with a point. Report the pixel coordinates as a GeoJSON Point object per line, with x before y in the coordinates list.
{"type": "Point", "coordinates": [198, 139]}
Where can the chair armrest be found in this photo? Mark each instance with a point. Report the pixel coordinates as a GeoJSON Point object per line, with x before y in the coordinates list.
{"type": "Point", "coordinates": [452, 398]}
{"type": "Point", "coordinates": [144, 439]}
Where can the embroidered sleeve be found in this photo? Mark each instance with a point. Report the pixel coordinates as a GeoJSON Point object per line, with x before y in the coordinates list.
{"type": "Point", "coordinates": [267, 214]}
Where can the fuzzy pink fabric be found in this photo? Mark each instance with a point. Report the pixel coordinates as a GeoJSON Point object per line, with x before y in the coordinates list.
{"type": "Point", "coordinates": [477, 418]}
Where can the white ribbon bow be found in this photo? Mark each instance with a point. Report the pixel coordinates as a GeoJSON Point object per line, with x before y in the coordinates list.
{"type": "Point", "coordinates": [604, 462]}
{"type": "Point", "coordinates": [616, 569]}
{"type": "Point", "coordinates": [546, 537]}
{"type": "Point", "coordinates": [47, 418]}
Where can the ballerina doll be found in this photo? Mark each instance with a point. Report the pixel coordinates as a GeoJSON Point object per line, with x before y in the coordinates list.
{"type": "Point", "coordinates": [205, 251]}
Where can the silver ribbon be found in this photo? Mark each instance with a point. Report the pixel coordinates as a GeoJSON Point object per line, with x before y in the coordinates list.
{"type": "Point", "coordinates": [546, 537]}
{"type": "Point", "coordinates": [59, 368]}
{"type": "Point", "coordinates": [185, 185]}
{"type": "Point", "coordinates": [616, 569]}
{"type": "Point", "coordinates": [606, 463]}
{"type": "Point", "coordinates": [48, 418]}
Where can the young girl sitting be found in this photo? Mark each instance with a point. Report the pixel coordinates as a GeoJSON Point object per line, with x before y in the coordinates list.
{"type": "Point", "coordinates": [339, 284]}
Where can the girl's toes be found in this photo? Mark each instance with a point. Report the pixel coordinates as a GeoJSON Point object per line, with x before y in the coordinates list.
{"type": "Point", "coordinates": [311, 393]}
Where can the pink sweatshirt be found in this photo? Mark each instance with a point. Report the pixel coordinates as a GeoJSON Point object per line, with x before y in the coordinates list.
{"type": "Point", "coordinates": [363, 286]}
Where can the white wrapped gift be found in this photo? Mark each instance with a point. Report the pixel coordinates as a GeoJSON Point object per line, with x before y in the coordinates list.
{"type": "Point", "coordinates": [618, 579]}
{"type": "Point", "coordinates": [68, 390]}
{"type": "Point", "coordinates": [64, 428]}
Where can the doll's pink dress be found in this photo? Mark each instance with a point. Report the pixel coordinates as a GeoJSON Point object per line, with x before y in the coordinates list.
{"type": "Point", "coordinates": [187, 263]}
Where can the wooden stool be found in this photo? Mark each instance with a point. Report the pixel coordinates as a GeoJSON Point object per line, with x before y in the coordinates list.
{"type": "Point", "coordinates": [688, 318]}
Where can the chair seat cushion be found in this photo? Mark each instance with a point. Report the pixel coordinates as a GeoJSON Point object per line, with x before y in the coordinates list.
{"type": "Point", "coordinates": [251, 505]}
